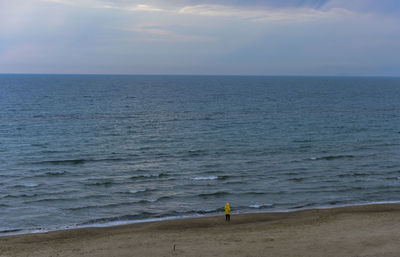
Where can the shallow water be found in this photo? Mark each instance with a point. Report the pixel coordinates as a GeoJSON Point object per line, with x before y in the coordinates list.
{"type": "Point", "coordinates": [90, 149]}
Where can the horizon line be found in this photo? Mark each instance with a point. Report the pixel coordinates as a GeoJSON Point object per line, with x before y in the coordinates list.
{"type": "Point", "coordinates": [205, 75]}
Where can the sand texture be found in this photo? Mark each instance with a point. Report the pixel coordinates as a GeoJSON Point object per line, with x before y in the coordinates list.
{"type": "Point", "coordinates": [360, 231]}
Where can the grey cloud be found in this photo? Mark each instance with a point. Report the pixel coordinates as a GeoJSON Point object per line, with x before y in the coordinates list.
{"type": "Point", "coordinates": [381, 6]}
{"type": "Point", "coordinates": [247, 3]}
{"type": "Point", "coordinates": [269, 3]}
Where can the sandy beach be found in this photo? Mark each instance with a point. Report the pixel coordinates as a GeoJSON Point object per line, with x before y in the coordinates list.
{"type": "Point", "coordinates": [361, 231]}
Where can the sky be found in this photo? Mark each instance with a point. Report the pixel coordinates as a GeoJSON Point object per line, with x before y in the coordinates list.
{"type": "Point", "coordinates": [248, 37]}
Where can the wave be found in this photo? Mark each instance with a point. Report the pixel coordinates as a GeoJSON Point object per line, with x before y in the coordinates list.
{"type": "Point", "coordinates": [148, 201]}
{"type": "Point", "coordinates": [393, 166]}
{"type": "Point", "coordinates": [27, 185]}
{"type": "Point", "coordinates": [143, 177]}
{"type": "Point", "coordinates": [302, 140]}
{"type": "Point", "coordinates": [392, 178]}
{"type": "Point", "coordinates": [62, 198]}
{"type": "Point", "coordinates": [163, 198]}
{"type": "Point", "coordinates": [25, 195]}
{"type": "Point", "coordinates": [351, 189]}
{"type": "Point", "coordinates": [136, 191]}
{"type": "Point", "coordinates": [211, 165]}
{"type": "Point", "coordinates": [297, 179]}
{"type": "Point", "coordinates": [56, 173]}
{"type": "Point", "coordinates": [355, 174]}
{"type": "Point", "coordinates": [175, 214]}
{"type": "Point", "coordinates": [132, 191]}
{"type": "Point", "coordinates": [102, 206]}
{"type": "Point", "coordinates": [98, 206]}
{"type": "Point", "coordinates": [127, 218]}
{"type": "Point", "coordinates": [76, 161]}
{"type": "Point", "coordinates": [258, 193]}
{"type": "Point", "coordinates": [106, 183]}
{"type": "Point", "coordinates": [10, 231]}
{"type": "Point", "coordinates": [149, 176]}
{"type": "Point", "coordinates": [225, 177]}
{"type": "Point", "coordinates": [145, 216]}
{"type": "Point", "coordinates": [19, 196]}
{"type": "Point", "coordinates": [291, 173]}
{"type": "Point", "coordinates": [189, 213]}
{"type": "Point", "coordinates": [337, 202]}
{"type": "Point", "coordinates": [148, 216]}
{"type": "Point", "coordinates": [50, 200]}
{"type": "Point", "coordinates": [261, 206]}
{"type": "Point", "coordinates": [62, 162]}
{"type": "Point", "coordinates": [205, 178]}
{"type": "Point", "coordinates": [215, 194]}
{"type": "Point", "coordinates": [304, 206]}
{"type": "Point", "coordinates": [112, 205]}
{"type": "Point", "coordinates": [51, 173]}
{"type": "Point", "coordinates": [235, 182]}
{"type": "Point", "coordinates": [331, 157]}
{"type": "Point", "coordinates": [194, 153]}
{"type": "Point", "coordinates": [393, 172]}
{"type": "Point", "coordinates": [211, 178]}
{"type": "Point", "coordinates": [221, 209]}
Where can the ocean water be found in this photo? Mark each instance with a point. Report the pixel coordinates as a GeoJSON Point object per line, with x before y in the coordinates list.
{"type": "Point", "coordinates": [91, 150]}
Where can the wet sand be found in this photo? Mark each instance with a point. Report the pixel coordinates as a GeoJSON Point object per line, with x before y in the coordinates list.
{"type": "Point", "coordinates": [361, 231]}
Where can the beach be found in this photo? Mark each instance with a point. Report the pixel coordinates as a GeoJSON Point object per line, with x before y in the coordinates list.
{"type": "Point", "coordinates": [370, 230]}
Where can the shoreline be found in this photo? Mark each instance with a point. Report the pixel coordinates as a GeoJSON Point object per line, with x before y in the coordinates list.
{"type": "Point", "coordinates": [21, 232]}
{"type": "Point", "coordinates": [367, 230]}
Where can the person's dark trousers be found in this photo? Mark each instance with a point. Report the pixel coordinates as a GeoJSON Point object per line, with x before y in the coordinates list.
{"type": "Point", "coordinates": [227, 217]}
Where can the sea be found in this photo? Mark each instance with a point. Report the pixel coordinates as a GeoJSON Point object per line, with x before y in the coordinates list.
{"type": "Point", "coordinates": [100, 150]}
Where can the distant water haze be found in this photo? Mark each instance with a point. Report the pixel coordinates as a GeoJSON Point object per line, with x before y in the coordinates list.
{"type": "Point", "coordinates": [92, 150]}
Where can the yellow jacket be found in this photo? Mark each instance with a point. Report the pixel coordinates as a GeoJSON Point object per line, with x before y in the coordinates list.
{"type": "Point", "coordinates": [227, 209]}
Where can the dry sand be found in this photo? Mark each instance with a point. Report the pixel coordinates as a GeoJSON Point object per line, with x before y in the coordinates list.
{"type": "Point", "coordinates": [360, 231]}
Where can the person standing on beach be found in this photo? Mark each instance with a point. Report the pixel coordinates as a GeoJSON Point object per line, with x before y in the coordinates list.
{"type": "Point", "coordinates": [227, 212]}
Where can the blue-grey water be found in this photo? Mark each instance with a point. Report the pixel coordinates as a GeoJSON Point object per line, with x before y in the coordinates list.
{"type": "Point", "coordinates": [79, 150]}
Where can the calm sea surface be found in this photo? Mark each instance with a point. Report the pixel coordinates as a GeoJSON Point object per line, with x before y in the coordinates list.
{"type": "Point", "coordinates": [96, 150]}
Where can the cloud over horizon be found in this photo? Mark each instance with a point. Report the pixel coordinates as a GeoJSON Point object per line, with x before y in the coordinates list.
{"type": "Point", "coordinates": [293, 37]}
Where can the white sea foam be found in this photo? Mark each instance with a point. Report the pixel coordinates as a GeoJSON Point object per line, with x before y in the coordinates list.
{"type": "Point", "coordinates": [257, 206]}
{"type": "Point", "coordinates": [205, 178]}
{"type": "Point", "coordinates": [30, 185]}
{"type": "Point", "coordinates": [123, 222]}
{"type": "Point", "coordinates": [132, 191]}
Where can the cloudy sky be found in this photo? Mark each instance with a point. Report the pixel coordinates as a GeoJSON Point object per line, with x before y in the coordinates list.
{"type": "Point", "coordinates": [264, 37]}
